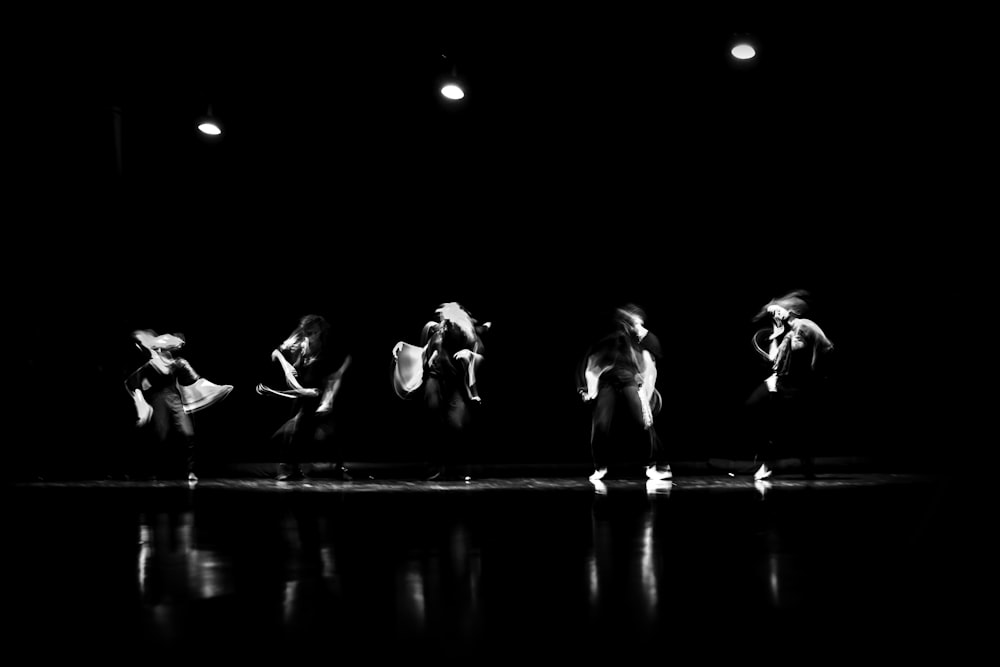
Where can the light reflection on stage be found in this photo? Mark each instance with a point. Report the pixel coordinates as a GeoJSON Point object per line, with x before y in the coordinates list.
{"type": "Point", "coordinates": [487, 568]}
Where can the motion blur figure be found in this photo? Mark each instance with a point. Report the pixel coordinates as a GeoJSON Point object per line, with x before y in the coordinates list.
{"type": "Point", "coordinates": [619, 375]}
{"type": "Point", "coordinates": [445, 367]}
{"type": "Point", "coordinates": [156, 389]}
{"type": "Point", "coordinates": [784, 408]}
{"type": "Point", "coordinates": [313, 372]}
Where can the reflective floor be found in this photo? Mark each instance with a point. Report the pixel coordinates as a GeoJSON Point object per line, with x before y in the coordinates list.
{"type": "Point", "coordinates": [506, 569]}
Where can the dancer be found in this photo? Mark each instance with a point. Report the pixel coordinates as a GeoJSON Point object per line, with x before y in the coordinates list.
{"type": "Point", "coordinates": [619, 374]}
{"type": "Point", "coordinates": [313, 373]}
{"type": "Point", "coordinates": [445, 367]}
{"type": "Point", "coordinates": [166, 390]}
{"type": "Point", "coordinates": [784, 407]}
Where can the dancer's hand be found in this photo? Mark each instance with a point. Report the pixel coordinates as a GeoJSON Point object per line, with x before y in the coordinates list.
{"type": "Point", "coordinates": [276, 355]}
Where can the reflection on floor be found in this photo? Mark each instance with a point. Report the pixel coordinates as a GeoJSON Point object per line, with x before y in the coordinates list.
{"type": "Point", "coordinates": [487, 569]}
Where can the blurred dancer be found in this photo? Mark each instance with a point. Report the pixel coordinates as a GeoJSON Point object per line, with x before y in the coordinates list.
{"type": "Point", "coordinates": [784, 407]}
{"type": "Point", "coordinates": [445, 366]}
{"type": "Point", "coordinates": [619, 374]}
{"type": "Point", "coordinates": [166, 389]}
{"type": "Point", "coordinates": [313, 372]}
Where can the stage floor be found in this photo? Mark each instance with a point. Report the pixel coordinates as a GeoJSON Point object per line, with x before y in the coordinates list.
{"type": "Point", "coordinates": [491, 569]}
{"type": "Point", "coordinates": [363, 484]}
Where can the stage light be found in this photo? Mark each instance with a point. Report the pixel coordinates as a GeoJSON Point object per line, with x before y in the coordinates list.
{"type": "Point", "coordinates": [452, 85]}
{"type": "Point", "coordinates": [743, 51]}
{"type": "Point", "coordinates": [453, 91]}
{"type": "Point", "coordinates": [743, 46]}
{"type": "Point", "coordinates": [209, 125]}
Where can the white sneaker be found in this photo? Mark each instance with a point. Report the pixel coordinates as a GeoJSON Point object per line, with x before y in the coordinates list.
{"type": "Point", "coordinates": [763, 472]}
{"type": "Point", "coordinates": [598, 474]}
{"type": "Point", "coordinates": [652, 472]}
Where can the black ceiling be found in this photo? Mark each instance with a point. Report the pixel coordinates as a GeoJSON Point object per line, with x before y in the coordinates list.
{"type": "Point", "coordinates": [328, 96]}
{"type": "Point", "coordinates": [571, 116]}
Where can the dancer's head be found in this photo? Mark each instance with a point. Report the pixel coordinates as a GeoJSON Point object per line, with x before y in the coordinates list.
{"type": "Point", "coordinates": [310, 335]}
{"type": "Point", "coordinates": [453, 313]}
{"type": "Point", "coordinates": [632, 318]}
{"type": "Point", "coordinates": [787, 307]}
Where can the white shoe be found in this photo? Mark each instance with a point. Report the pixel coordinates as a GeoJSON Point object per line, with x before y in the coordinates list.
{"type": "Point", "coordinates": [598, 474]}
{"type": "Point", "coordinates": [763, 472]}
{"type": "Point", "coordinates": [192, 478]}
{"type": "Point", "coordinates": [652, 472]}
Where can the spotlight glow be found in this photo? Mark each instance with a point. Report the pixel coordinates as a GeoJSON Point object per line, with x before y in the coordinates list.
{"type": "Point", "coordinates": [743, 52]}
{"type": "Point", "coordinates": [453, 92]}
{"type": "Point", "coordinates": [210, 128]}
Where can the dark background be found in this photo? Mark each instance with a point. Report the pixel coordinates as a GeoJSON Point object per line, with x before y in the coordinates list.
{"type": "Point", "coordinates": [597, 159]}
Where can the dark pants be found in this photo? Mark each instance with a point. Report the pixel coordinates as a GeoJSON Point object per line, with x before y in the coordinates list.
{"type": "Point", "coordinates": [173, 433]}
{"type": "Point", "coordinates": [302, 432]}
{"type": "Point", "coordinates": [784, 422]}
{"type": "Point", "coordinates": [611, 399]}
{"type": "Point", "coordinates": [448, 419]}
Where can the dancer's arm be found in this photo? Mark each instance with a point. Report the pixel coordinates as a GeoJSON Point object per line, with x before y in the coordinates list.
{"type": "Point", "coordinates": [333, 387]}
{"type": "Point", "coordinates": [290, 374]}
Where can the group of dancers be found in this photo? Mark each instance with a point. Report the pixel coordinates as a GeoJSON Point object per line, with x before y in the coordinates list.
{"type": "Point", "coordinates": [618, 376]}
